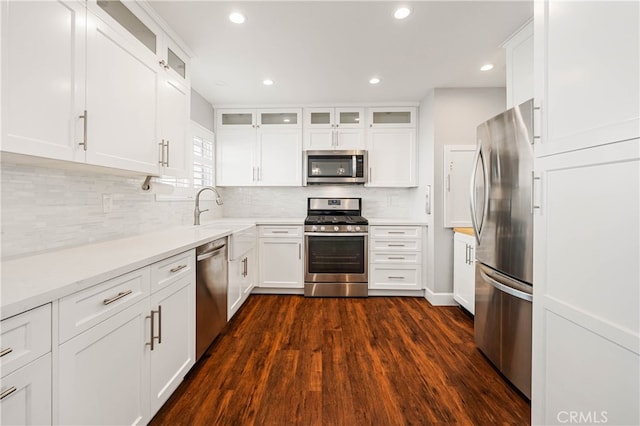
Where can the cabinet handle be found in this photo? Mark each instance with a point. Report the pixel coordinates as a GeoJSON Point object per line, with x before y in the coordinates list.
{"type": "Point", "coordinates": [466, 254]}
{"type": "Point", "coordinates": [8, 392]}
{"type": "Point", "coordinates": [167, 162]}
{"type": "Point", "coordinates": [159, 324]}
{"type": "Point", "coordinates": [161, 145]}
{"type": "Point", "coordinates": [280, 232]}
{"type": "Point", "coordinates": [395, 258]}
{"type": "Point", "coordinates": [163, 64]}
{"type": "Point", "coordinates": [85, 117]}
{"type": "Point", "coordinates": [534, 178]}
{"type": "Point", "coordinates": [6, 352]}
{"type": "Point", "coordinates": [244, 267]}
{"type": "Point", "coordinates": [396, 245]}
{"type": "Point", "coordinates": [177, 268]}
{"type": "Point", "coordinates": [117, 297]}
{"type": "Point", "coordinates": [299, 251]}
{"type": "Point", "coordinates": [152, 318]}
{"type": "Point", "coordinates": [152, 329]}
{"type": "Point", "coordinates": [449, 183]}
{"type": "Point", "coordinates": [396, 278]}
{"type": "Point", "coordinates": [396, 232]}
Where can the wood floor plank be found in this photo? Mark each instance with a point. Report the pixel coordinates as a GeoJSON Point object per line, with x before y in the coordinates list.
{"type": "Point", "coordinates": [289, 360]}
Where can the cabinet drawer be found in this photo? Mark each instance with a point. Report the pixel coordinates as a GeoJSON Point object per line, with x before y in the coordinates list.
{"type": "Point", "coordinates": [390, 245]}
{"type": "Point", "coordinates": [396, 231]}
{"type": "Point", "coordinates": [280, 231]}
{"type": "Point", "coordinates": [24, 337]}
{"type": "Point", "coordinates": [169, 270]}
{"type": "Point", "coordinates": [84, 309]}
{"type": "Point", "coordinates": [400, 258]}
{"type": "Point", "coordinates": [395, 277]}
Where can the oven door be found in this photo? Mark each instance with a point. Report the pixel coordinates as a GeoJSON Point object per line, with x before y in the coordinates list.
{"type": "Point", "coordinates": [336, 258]}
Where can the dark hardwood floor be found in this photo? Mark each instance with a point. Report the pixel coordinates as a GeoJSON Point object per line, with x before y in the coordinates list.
{"type": "Point", "coordinates": [289, 360]}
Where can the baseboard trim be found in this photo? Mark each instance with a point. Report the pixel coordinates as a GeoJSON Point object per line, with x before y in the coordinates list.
{"type": "Point", "coordinates": [440, 299]}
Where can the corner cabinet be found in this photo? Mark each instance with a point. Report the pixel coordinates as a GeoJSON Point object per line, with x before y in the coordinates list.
{"type": "Point", "coordinates": [392, 147]}
{"type": "Point", "coordinates": [464, 274]}
{"type": "Point", "coordinates": [334, 128]}
{"type": "Point", "coordinates": [102, 97]}
{"type": "Point", "coordinates": [259, 147]}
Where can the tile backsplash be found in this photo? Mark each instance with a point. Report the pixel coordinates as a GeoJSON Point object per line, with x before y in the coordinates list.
{"type": "Point", "coordinates": [46, 208]}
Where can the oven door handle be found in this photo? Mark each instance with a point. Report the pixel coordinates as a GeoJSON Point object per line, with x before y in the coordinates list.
{"type": "Point", "coordinates": [336, 234]}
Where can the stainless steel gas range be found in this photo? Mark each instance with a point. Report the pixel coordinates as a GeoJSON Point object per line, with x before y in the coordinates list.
{"type": "Point", "coordinates": [336, 246]}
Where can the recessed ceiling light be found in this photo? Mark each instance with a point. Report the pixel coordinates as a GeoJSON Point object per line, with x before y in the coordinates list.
{"type": "Point", "coordinates": [374, 80]}
{"type": "Point", "coordinates": [486, 67]}
{"type": "Point", "coordinates": [402, 12]}
{"type": "Point", "coordinates": [237, 18]}
{"type": "Point", "coordinates": [267, 82]}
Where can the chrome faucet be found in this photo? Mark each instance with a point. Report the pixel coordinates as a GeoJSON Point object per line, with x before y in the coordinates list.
{"type": "Point", "coordinates": [197, 211]}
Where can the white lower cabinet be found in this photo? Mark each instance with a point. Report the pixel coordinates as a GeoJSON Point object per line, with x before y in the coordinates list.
{"type": "Point", "coordinates": [242, 269]}
{"type": "Point", "coordinates": [281, 264]}
{"type": "Point", "coordinates": [104, 373]}
{"type": "Point", "coordinates": [395, 257]}
{"type": "Point", "coordinates": [26, 394]}
{"type": "Point", "coordinates": [464, 274]}
{"type": "Point", "coordinates": [173, 352]}
{"type": "Point", "coordinates": [138, 347]}
{"type": "Point", "coordinates": [25, 363]}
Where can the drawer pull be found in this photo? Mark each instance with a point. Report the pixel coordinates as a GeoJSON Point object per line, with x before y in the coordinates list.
{"type": "Point", "coordinates": [117, 297]}
{"type": "Point", "coordinates": [396, 245]}
{"type": "Point", "coordinates": [5, 352]}
{"type": "Point", "coordinates": [396, 232]}
{"type": "Point", "coordinates": [396, 278]}
{"type": "Point", "coordinates": [177, 268]}
{"type": "Point", "coordinates": [279, 232]}
{"type": "Point", "coordinates": [395, 258]}
{"type": "Point", "coordinates": [8, 392]}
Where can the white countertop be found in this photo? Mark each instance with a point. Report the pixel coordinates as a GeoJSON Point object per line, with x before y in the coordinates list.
{"type": "Point", "coordinates": [397, 221]}
{"type": "Point", "coordinates": [31, 281]}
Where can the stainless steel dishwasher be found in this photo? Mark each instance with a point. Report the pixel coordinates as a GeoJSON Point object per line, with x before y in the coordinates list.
{"type": "Point", "coordinates": [211, 293]}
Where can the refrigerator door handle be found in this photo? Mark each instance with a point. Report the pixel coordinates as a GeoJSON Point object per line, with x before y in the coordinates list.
{"type": "Point", "coordinates": [505, 288]}
{"type": "Point", "coordinates": [472, 193]}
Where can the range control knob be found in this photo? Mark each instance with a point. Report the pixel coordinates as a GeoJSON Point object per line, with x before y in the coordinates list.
{"type": "Point", "coordinates": [322, 228]}
{"type": "Point", "coordinates": [314, 228]}
{"type": "Point", "coordinates": [349, 228]}
{"type": "Point", "coordinates": [336, 228]}
{"type": "Point", "coordinates": [357, 228]}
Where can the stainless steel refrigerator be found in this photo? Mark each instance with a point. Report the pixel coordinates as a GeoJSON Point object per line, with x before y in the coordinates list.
{"type": "Point", "coordinates": [502, 218]}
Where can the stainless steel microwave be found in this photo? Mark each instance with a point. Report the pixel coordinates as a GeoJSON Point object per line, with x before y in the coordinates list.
{"type": "Point", "coordinates": [335, 167]}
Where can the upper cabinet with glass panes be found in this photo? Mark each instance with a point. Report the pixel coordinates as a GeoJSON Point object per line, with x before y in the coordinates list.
{"type": "Point", "coordinates": [230, 119]}
{"type": "Point", "coordinates": [133, 18]}
{"type": "Point", "coordinates": [391, 117]}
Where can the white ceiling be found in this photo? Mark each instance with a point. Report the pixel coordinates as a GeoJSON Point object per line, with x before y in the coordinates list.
{"type": "Point", "coordinates": [321, 52]}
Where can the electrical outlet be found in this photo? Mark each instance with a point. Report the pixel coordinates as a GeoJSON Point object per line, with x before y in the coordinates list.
{"type": "Point", "coordinates": [107, 203]}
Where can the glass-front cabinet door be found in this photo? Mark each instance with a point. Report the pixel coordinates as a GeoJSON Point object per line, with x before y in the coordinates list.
{"type": "Point", "coordinates": [285, 118]}
{"type": "Point", "coordinates": [391, 117]}
{"type": "Point", "coordinates": [234, 119]}
{"type": "Point", "coordinates": [351, 118]}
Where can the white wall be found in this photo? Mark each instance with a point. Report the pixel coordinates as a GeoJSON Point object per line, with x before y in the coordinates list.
{"type": "Point", "coordinates": [456, 115]}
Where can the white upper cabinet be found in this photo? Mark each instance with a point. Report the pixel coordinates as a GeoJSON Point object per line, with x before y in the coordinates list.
{"type": "Point", "coordinates": [457, 167]}
{"type": "Point", "coordinates": [122, 100]}
{"type": "Point", "coordinates": [104, 97]}
{"type": "Point", "coordinates": [392, 147]}
{"type": "Point", "coordinates": [259, 147]}
{"type": "Point", "coordinates": [519, 58]}
{"type": "Point", "coordinates": [391, 117]}
{"type": "Point", "coordinates": [586, 66]}
{"type": "Point", "coordinates": [333, 128]}
{"type": "Point", "coordinates": [43, 50]}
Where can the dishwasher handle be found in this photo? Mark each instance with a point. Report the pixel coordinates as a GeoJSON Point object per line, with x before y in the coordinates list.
{"type": "Point", "coordinates": [210, 253]}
